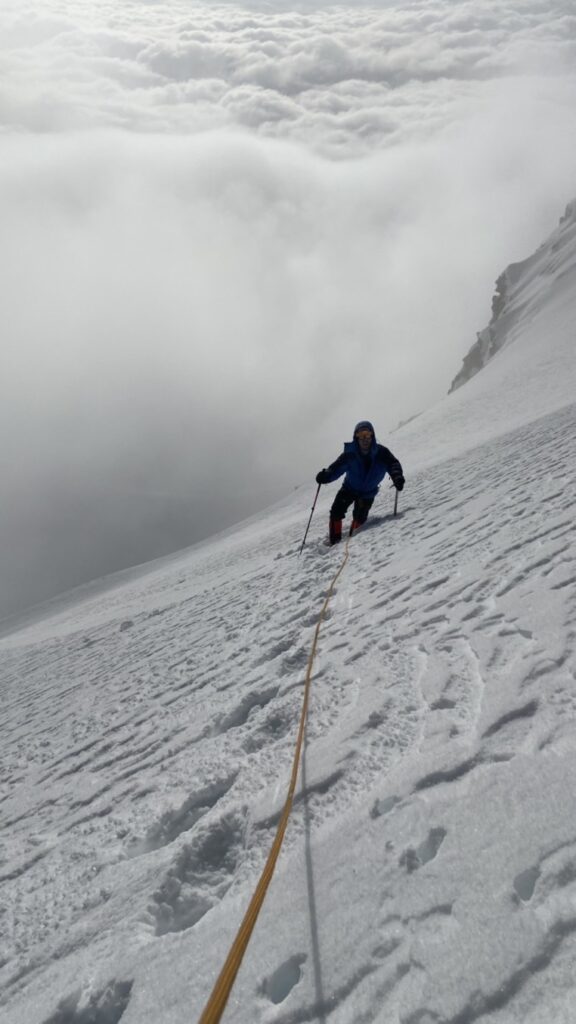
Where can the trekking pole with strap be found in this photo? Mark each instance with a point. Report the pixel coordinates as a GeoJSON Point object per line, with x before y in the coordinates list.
{"type": "Point", "coordinates": [310, 520]}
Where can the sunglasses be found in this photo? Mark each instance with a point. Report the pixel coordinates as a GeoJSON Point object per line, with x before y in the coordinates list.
{"type": "Point", "coordinates": [364, 435]}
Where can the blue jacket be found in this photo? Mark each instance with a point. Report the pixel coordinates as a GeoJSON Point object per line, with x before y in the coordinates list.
{"type": "Point", "coordinates": [364, 473]}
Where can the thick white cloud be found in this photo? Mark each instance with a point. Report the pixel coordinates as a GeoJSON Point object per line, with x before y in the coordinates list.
{"type": "Point", "coordinates": [165, 67]}
{"type": "Point", "coordinates": [228, 234]}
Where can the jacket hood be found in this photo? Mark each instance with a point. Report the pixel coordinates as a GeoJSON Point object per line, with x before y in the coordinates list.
{"type": "Point", "coordinates": [364, 425]}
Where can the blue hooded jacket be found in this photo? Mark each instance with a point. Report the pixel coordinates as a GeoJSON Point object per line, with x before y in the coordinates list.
{"type": "Point", "coordinates": [364, 473]}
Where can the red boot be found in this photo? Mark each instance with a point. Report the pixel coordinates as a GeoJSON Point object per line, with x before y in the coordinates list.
{"type": "Point", "coordinates": [335, 530]}
{"type": "Point", "coordinates": [355, 526]}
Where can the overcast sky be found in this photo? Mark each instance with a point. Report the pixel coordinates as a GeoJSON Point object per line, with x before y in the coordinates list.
{"type": "Point", "coordinates": [228, 233]}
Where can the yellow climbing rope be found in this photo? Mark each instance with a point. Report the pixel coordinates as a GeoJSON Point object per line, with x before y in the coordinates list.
{"type": "Point", "coordinates": [216, 1004]}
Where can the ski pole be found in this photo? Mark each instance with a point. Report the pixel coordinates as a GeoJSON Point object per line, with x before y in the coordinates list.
{"type": "Point", "coordinates": [396, 503]}
{"type": "Point", "coordinates": [310, 520]}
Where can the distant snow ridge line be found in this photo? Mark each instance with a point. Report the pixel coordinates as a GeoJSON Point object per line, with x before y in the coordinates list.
{"type": "Point", "coordinates": [518, 289]}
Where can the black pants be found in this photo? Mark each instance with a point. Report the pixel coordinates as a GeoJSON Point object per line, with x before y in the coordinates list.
{"type": "Point", "coordinates": [342, 503]}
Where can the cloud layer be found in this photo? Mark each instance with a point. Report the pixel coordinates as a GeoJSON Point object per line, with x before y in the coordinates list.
{"type": "Point", "coordinates": [341, 80]}
{"type": "Point", "coordinates": [228, 234]}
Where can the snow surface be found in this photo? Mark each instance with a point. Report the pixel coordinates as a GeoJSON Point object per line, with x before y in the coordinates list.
{"type": "Point", "coordinates": [429, 870]}
{"type": "Point", "coordinates": [519, 294]}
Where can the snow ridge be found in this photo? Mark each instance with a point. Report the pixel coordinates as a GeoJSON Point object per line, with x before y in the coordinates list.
{"type": "Point", "coordinates": [520, 290]}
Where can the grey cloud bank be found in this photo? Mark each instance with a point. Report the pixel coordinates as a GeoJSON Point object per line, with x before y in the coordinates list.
{"type": "Point", "coordinates": [192, 319]}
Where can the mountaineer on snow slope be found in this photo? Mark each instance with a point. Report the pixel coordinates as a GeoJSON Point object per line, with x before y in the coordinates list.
{"type": "Point", "coordinates": [365, 463]}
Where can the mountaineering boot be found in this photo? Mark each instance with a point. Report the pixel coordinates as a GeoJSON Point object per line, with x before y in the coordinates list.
{"type": "Point", "coordinates": [335, 530]}
{"type": "Point", "coordinates": [354, 526]}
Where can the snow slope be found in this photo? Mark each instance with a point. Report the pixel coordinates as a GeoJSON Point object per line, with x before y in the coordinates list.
{"type": "Point", "coordinates": [519, 294]}
{"type": "Point", "coordinates": [532, 371]}
{"type": "Point", "coordinates": [429, 869]}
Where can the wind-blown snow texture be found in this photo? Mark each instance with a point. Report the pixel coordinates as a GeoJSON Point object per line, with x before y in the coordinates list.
{"type": "Point", "coordinates": [429, 870]}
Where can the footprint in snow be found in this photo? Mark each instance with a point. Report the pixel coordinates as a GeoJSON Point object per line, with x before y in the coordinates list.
{"type": "Point", "coordinates": [200, 875]}
{"type": "Point", "coordinates": [104, 1007]}
{"type": "Point", "coordinates": [381, 807]}
{"type": "Point", "coordinates": [280, 984]}
{"type": "Point", "coordinates": [183, 818]}
{"type": "Point", "coordinates": [414, 858]}
{"type": "Point", "coordinates": [525, 883]}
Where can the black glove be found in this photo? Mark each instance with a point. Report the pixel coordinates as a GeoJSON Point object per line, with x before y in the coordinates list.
{"type": "Point", "coordinates": [399, 482]}
{"type": "Point", "coordinates": [323, 477]}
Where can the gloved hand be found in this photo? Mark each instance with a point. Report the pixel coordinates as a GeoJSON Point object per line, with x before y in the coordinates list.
{"type": "Point", "coordinates": [323, 477]}
{"type": "Point", "coordinates": [399, 483]}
